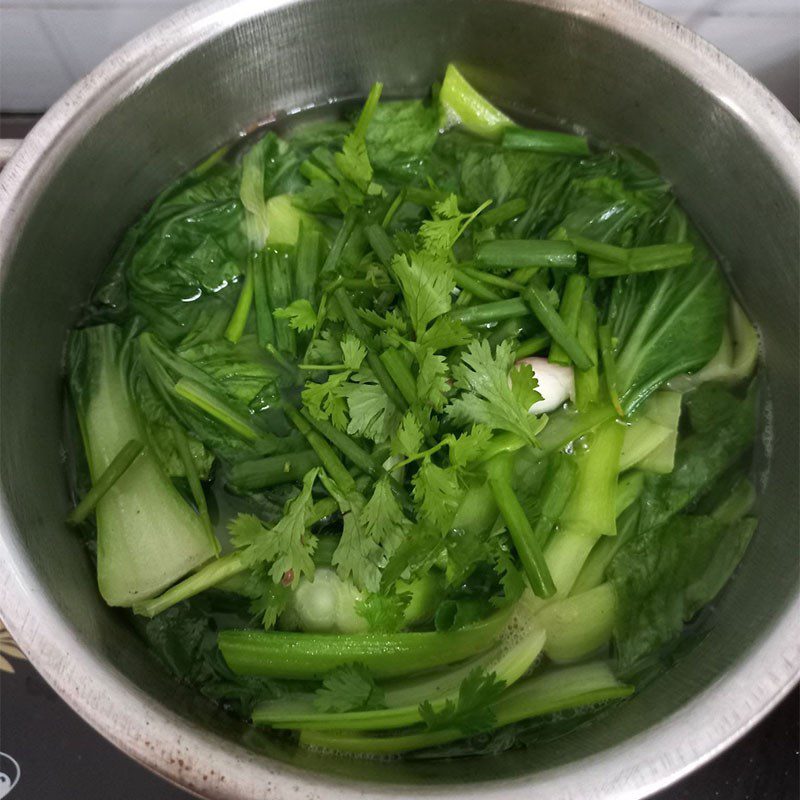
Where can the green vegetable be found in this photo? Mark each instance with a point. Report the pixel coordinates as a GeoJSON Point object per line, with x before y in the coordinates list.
{"type": "Point", "coordinates": [463, 105]}
{"type": "Point", "coordinates": [147, 536]}
{"type": "Point", "coordinates": [545, 141]}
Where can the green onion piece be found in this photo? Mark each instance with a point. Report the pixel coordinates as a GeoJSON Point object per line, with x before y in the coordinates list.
{"type": "Point", "coordinates": [475, 286]}
{"type": "Point", "coordinates": [359, 328]}
{"type": "Point", "coordinates": [610, 366]}
{"type": "Point", "coordinates": [265, 325]}
{"type": "Point", "coordinates": [569, 310]}
{"type": "Point", "coordinates": [528, 548]}
{"type": "Point", "coordinates": [381, 243]}
{"type": "Point", "coordinates": [189, 467]}
{"type": "Point", "coordinates": [110, 475]}
{"type": "Point", "coordinates": [261, 473]}
{"type": "Point", "coordinates": [545, 142]}
{"type": "Point", "coordinates": [505, 212]}
{"type": "Point", "coordinates": [491, 312]}
{"type": "Point", "coordinates": [536, 296]}
{"type": "Point", "coordinates": [307, 655]}
{"type": "Point", "coordinates": [515, 253]}
{"type": "Point", "coordinates": [335, 253]}
{"type": "Point", "coordinates": [587, 383]}
{"type": "Point", "coordinates": [240, 314]}
{"type": "Point", "coordinates": [529, 347]}
{"type": "Point", "coordinates": [216, 407]}
{"type": "Point", "coordinates": [399, 199]}
{"type": "Point", "coordinates": [279, 281]}
{"type": "Point", "coordinates": [400, 373]}
{"type": "Point", "coordinates": [307, 268]}
{"type": "Point", "coordinates": [643, 259]}
{"type": "Point", "coordinates": [330, 461]}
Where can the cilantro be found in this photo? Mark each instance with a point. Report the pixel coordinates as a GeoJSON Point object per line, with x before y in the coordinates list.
{"type": "Point", "coordinates": [300, 313]}
{"type": "Point", "coordinates": [427, 282]}
{"type": "Point", "coordinates": [353, 351]}
{"type": "Point", "coordinates": [432, 383]}
{"type": "Point", "coordinates": [494, 394]}
{"type": "Point", "coordinates": [469, 446]}
{"type": "Point", "coordinates": [444, 334]}
{"type": "Point", "coordinates": [384, 613]}
{"type": "Point", "coordinates": [441, 233]}
{"type": "Point", "coordinates": [267, 598]}
{"type": "Point", "coordinates": [472, 712]}
{"type": "Point", "coordinates": [372, 413]}
{"type": "Point", "coordinates": [383, 518]}
{"type": "Point", "coordinates": [327, 400]}
{"type": "Point", "coordinates": [349, 688]}
{"type": "Point", "coordinates": [357, 557]}
{"type": "Point", "coordinates": [288, 546]}
{"type": "Point", "coordinates": [436, 493]}
{"type": "Point", "coordinates": [353, 161]}
{"type": "Point", "coordinates": [408, 439]}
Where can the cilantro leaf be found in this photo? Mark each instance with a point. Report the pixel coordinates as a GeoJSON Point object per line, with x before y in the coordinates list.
{"type": "Point", "coordinates": [384, 613]}
{"type": "Point", "coordinates": [288, 546]}
{"type": "Point", "coordinates": [349, 688]}
{"type": "Point", "coordinates": [432, 383]}
{"type": "Point", "coordinates": [353, 161]}
{"type": "Point", "coordinates": [267, 598]}
{"type": "Point", "coordinates": [436, 493]}
{"type": "Point", "coordinates": [444, 334]}
{"type": "Point", "coordinates": [383, 518]}
{"type": "Point", "coordinates": [469, 446]}
{"type": "Point", "coordinates": [441, 233]}
{"type": "Point", "coordinates": [353, 351]}
{"type": "Point", "coordinates": [300, 313]}
{"type": "Point", "coordinates": [494, 394]}
{"type": "Point", "coordinates": [427, 282]}
{"type": "Point", "coordinates": [372, 413]}
{"type": "Point", "coordinates": [408, 439]}
{"type": "Point", "coordinates": [472, 712]}
{"type": "Point", "coordinates": [357, 557]}
{"type": "Point", "coordinates": [328, 400]}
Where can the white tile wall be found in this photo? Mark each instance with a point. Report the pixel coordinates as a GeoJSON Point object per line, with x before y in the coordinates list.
{"type": "Point", "coordinates": [45, 45]}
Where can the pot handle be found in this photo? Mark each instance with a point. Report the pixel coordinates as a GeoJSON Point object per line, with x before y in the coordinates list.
{"type": "Point", "coordinates": [7, 149]}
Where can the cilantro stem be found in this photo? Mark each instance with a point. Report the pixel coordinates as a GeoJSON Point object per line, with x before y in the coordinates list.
{"type": "Point", "coordinates": [399, 199]}
{"type": "Point", "coordinates": [307, 655]}
{"type": "Point", "coordinates": [489, 279]}
{"type": "Point", "coordinates": [330, 461]}
{"type": "Point", "coordinates": [609, 366]}
{"type": "Point", "coordinates": [515, 253]}
{"type": "Point", "coordinates": [241, 312]}
{"type": "Point", "coordinates": [475, 286]}
{"type": "Point", "coordinates": [307, 266]}
{"type": "Point", "coordinates": [262, 473]}
{"type": "Point", "coordinates": [545, 142]}
{"type": "Point", "coordinates": [483, 313]}
{"type": "Point", "coordinates": [215, 573]}
{"type": "Point", "coordinates": [265, 325]}
{"type": "Point", "coordinates": [400, 373]}
{"type": "Point", "coordinates": [569, 310]}
{"type": "Point", "coordinates": [370, 104]}
{"type": "Point", "coordinates": [608, 260]}
{"type": "Point", "coordinates": [216, 407]}
{"type": "Point", "coordinates": [110, 475]}
{"type": "Point", "coordinates": [529, 347]}
{"type": "Point", "coordinates": [359, 328]}
{"type": "Point", "coordinates": [193, 479]}
{"type": "Point", "coordinates": [342, 442]}
{"type": "Point", "coordinates": [525, 541]}
{"type": "Point", "coordinates": [536, 296]}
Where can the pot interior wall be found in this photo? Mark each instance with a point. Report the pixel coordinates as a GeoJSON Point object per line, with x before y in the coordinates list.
{"type": "Point", "coordinates": [115, 156]}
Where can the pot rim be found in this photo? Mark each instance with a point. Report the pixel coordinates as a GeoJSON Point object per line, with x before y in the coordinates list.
{"type": "Point", "coordinates": [167, 743]}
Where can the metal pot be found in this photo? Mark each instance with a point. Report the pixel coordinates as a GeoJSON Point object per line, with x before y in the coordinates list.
{"type": "Point", "coordinates": [154, 109]}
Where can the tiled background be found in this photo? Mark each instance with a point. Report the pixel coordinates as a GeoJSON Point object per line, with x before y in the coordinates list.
{"type": "Point", "coordinates": [46, 45]}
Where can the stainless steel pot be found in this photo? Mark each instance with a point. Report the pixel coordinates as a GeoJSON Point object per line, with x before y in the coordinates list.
{"type": "Point", "coordinates": [157, 106]}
